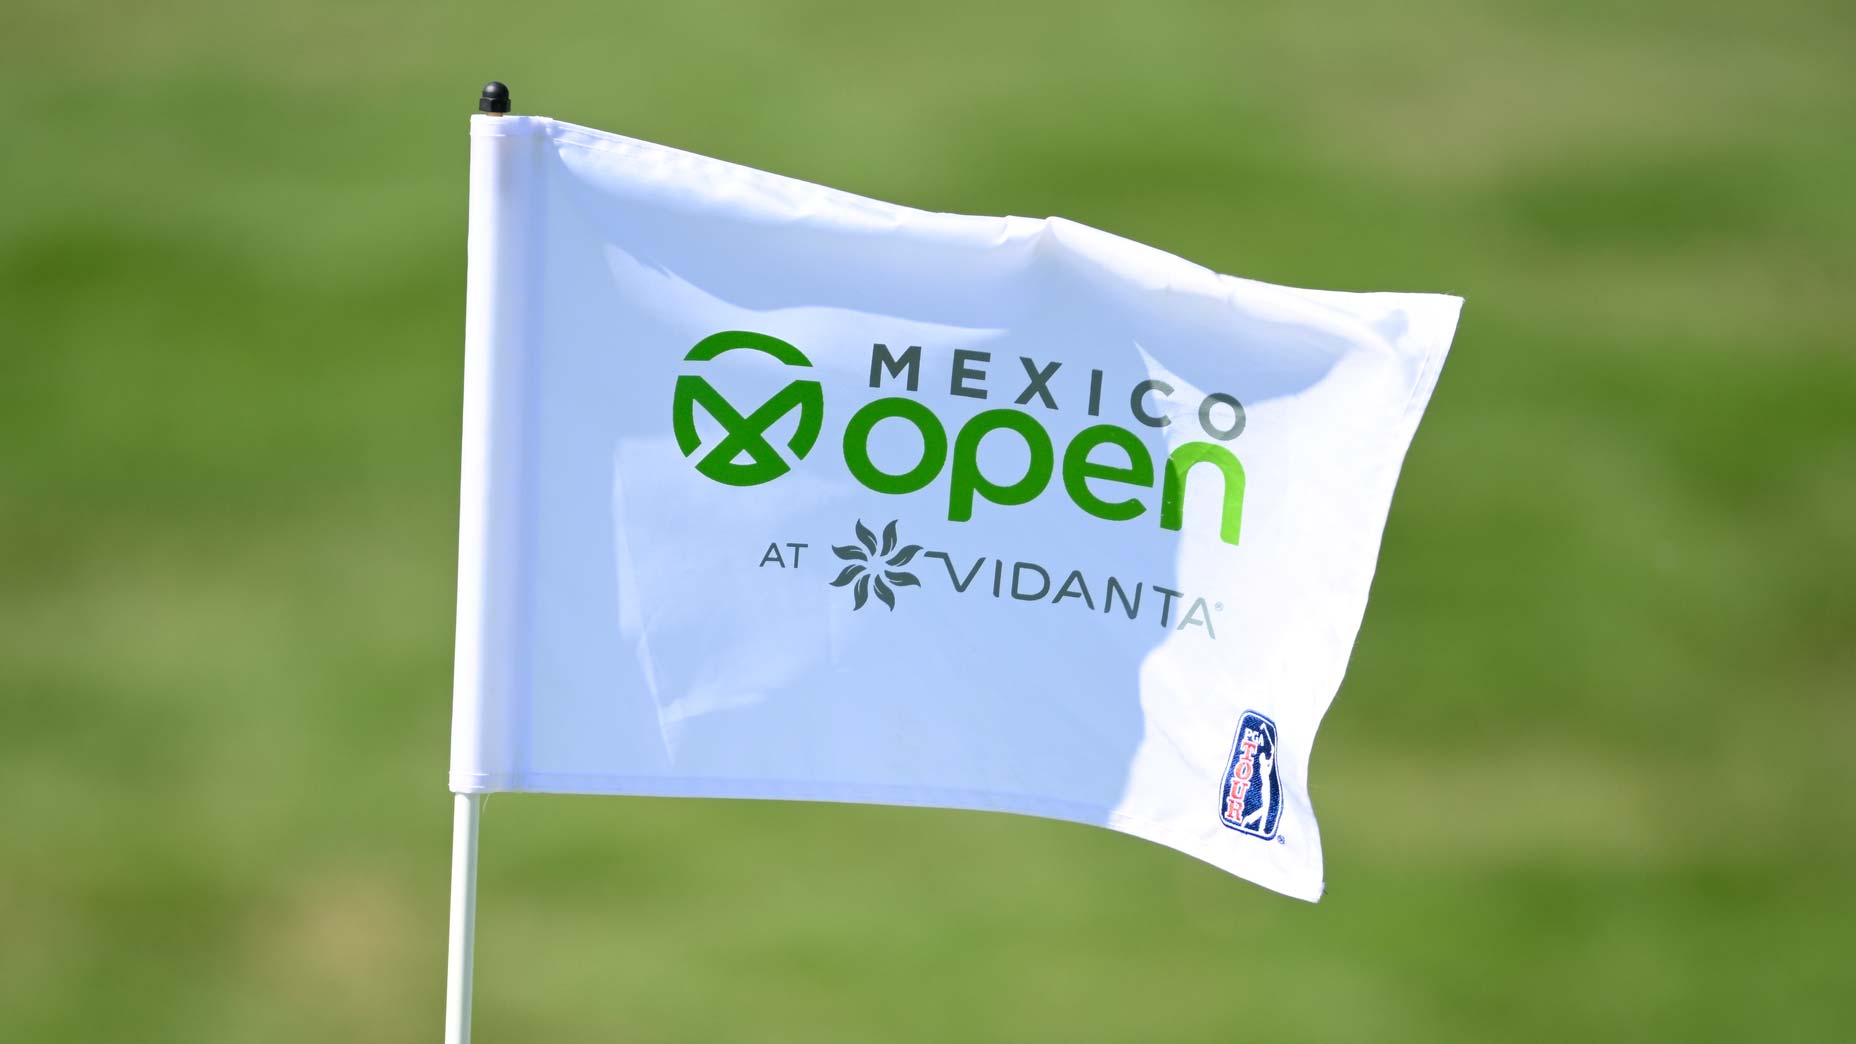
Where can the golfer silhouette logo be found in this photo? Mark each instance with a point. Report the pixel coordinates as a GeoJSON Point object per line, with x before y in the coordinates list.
{"type": "Point", "coordinates": [746, 434]}
{"type": "Point", "coordinates": [1252, 793]}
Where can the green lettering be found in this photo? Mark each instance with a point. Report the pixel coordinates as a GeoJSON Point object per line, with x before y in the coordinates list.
{"type": "Point", "coordinates": [967, 479]}
{"type": "Point", "coordinates": [857, 445]}
{"type": "Point", "coordinates": [1077, 470]}
{"type": "Point", "coordinates": [1173, 494]}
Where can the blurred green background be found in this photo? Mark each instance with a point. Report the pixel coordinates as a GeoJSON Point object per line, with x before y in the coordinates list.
{"type": "Point", "coordinates": [1591, 772]}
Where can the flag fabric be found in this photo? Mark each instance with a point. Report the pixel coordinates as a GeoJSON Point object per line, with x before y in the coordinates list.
{"type": "Point", "coordinates": [774, 491]}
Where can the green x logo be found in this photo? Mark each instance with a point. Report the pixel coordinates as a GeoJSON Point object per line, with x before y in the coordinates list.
{"type": "Point", "coordinates": [746, 433]}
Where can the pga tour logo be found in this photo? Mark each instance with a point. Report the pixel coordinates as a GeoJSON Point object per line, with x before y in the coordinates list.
{"type": "Point", "coordinates": [1252, 799]}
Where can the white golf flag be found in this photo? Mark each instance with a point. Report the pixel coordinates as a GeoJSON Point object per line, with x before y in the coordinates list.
{"type": "Point", "coordinates": [773, 491]}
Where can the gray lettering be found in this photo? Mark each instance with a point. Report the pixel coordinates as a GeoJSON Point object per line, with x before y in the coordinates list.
{"type": "Point", "coordinates": [964, 373]}
{"type": "Point", "coordinates": [1039, 383]}
{"type": "Point", "coordinates": [1205, 416]}
{"type": "Point", "coordinates": [1139, 407]}
{"type": "Point", "coordinates": [910, 360]}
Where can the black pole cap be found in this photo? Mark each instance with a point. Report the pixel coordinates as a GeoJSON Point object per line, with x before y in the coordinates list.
{"type": "Point", "coordinates": [495, 97]}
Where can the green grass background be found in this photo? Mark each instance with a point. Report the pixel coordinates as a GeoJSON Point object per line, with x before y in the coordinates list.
{"type": "Point", "coordinates": [1589, 778]}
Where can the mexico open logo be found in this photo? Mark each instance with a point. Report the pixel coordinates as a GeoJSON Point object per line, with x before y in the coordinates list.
{"type": "Point", "coordinates": [746, 433]}
{"type": "Point", "coordinates": [1116, 469]}
{"type": "Point", "coordinates": [1252, 797]}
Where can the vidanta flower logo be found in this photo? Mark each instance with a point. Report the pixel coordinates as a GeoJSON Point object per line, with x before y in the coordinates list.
{"type": "Point", "coordinates": [865, 569]}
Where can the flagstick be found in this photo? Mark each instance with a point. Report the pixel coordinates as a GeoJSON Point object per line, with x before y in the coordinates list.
{"type": "Point", "coordinates": [467, 813]}
{"type": "Point", "coordinates": [466, 817]}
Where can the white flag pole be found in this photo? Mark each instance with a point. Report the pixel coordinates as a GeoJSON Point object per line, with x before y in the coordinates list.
{"type": "Point", "coordinates": [467, 809]}
{"type": "Point", "coordinates": [467, 814]}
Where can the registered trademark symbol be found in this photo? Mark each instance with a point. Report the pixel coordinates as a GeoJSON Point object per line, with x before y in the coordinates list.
{"type": "Point", "coordinates": [1217, 605]}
